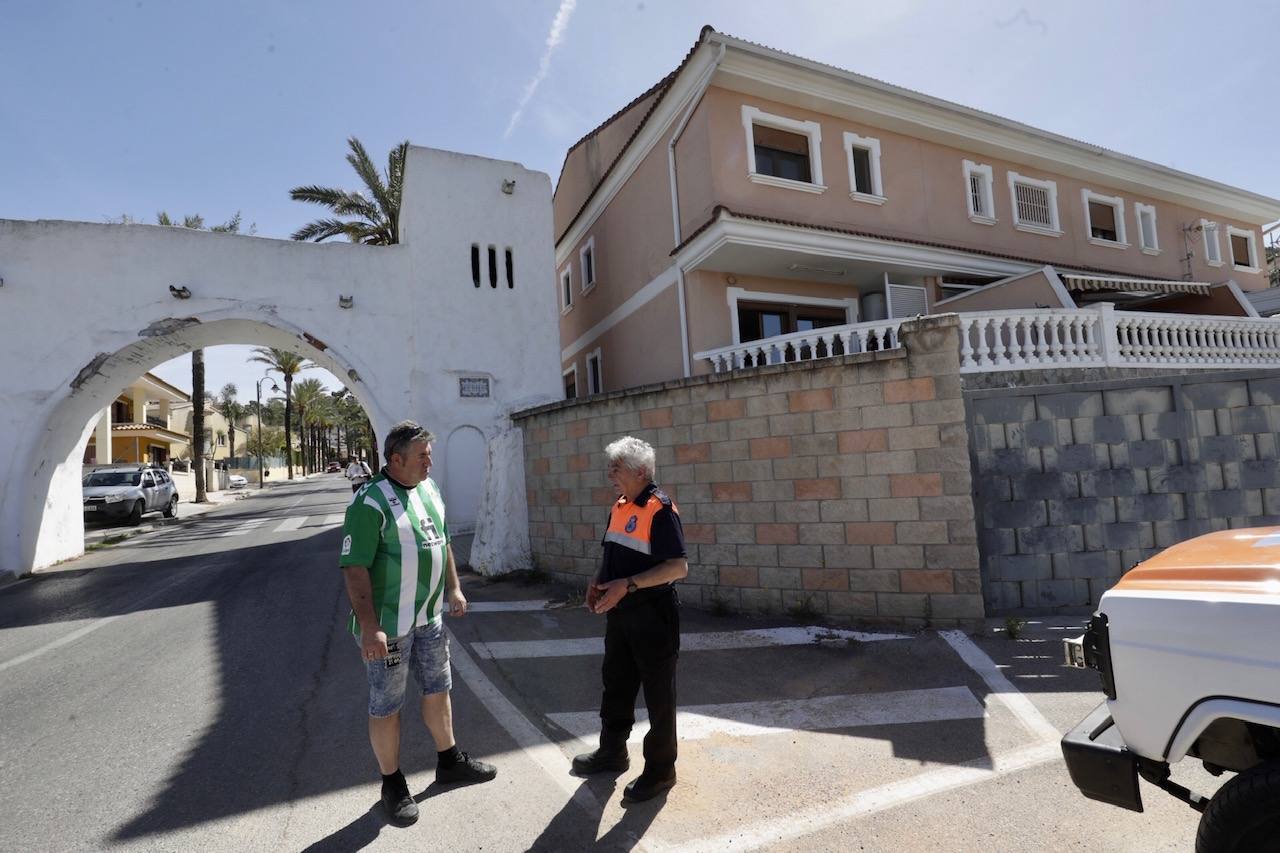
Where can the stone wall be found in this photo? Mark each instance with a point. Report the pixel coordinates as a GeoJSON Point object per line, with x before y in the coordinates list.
{"type": "Point", "coordinates": [841, 486]}
{"type": "Point", "coordinates": [1079, 482]}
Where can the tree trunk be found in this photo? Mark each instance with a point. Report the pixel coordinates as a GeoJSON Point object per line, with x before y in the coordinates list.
{"type": "Point", "coordinates": [231, 439]}
{"type": "Point", "coordinates": [288, 422]}
{"type": "Point", "coordinates": [197, 422]}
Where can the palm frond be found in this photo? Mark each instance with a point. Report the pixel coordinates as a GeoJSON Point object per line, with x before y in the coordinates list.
{"type": "Point", "coordinates": [320, 230]}
{"type": "Point", "coordinates": [359, 160]}
{"type": "Point", "coordinates": [327, 196]}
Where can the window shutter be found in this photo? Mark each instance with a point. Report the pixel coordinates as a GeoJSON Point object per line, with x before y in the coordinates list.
{"type": "Point", "coordinates": [906, 301]}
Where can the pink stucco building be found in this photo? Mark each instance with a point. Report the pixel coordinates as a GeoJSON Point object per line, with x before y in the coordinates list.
{"type": "Point", "coordinates": [755, 196]}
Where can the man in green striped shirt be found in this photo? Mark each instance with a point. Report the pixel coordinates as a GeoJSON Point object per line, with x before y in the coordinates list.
{"type": "Point", "coordinates": [399, 570]}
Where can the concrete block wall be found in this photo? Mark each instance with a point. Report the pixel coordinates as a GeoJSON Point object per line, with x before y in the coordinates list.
{"type": "Point", "coordinates": [1077, 483]}
{"type": "Point", "coordinates": [840, 485]}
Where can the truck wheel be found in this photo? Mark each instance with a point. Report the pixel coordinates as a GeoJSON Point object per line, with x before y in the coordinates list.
{"type": "Point", "coordinates": [1244, 816]}
{"type": "Point", "coordinates": [135, 514]}
{"type": "Point", "coordinates": [172, 509]}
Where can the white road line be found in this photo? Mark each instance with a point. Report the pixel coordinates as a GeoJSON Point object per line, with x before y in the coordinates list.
{"type": "Point", "coordinates": [249, 526]}
{"type": "Point", "coordinates": [336, 518]}
{"type": "Point", "coordinates": [748, 719]}
{"type": "Point", "coordinates": [1002, 690]}
{"type": "Point", "coordinates": [531, 741]}
{"type": "Point", "coordinates": [506, 606]}
{"type": "Point", "coordinates": [708, 641]}
{"type": "Point", "coordinates": [291, 524]}
{"type": "Point", "coordinates": [797, 825]}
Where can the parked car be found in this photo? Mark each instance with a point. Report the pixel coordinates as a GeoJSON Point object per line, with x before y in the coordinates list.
{"type": "Point", "coordinates": [332, 468]}
{"type": "Point", "coordinates": [128, 492]}
{"type": "Point", "coordinates": [1188, 647]}
{"type": "Point", "coordinates": [235, 481]}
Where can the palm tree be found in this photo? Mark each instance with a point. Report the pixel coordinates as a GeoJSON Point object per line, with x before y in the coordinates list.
{"type": "Point", "coordinates": [287, 364]}
{"type": "Point", "coordinates": [377, 215]}
{"type": "Point", "coordinates": [306, 396]}
{"type": "Point", "coordinates": [232, 410]}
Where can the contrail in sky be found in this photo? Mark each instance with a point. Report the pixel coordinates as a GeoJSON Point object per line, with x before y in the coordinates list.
{"type": "Point", "coordinates": [553, 41]}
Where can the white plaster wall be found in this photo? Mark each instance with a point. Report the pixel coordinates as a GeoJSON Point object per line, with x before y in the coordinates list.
{"type": "Point", "coordinates": [85, 310]}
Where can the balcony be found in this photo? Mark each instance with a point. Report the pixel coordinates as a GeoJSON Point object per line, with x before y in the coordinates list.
{"type": "Point", "coordinates": [1043, 339]}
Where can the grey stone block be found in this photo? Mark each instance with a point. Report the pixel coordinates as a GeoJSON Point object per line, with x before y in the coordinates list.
{"type": "Point", "coordinates": [991, 410]}
{"type": "Point", "coordinates": [1082, 511]}
{"type": "Point", "coordinates": [1111, 429]}
{"type": "Point", "coordinates": [1139, 401]}
{"type": "Point", "coordinates": [1110, 483]}
{"type": "Point", "coordinates": [1050, 540]}
{"type": "Point", "coordinates": [1265, 442]}
{"type": "Point", "coordinates": [1216, 395]}
{"type": "Point", "coordinates": [1250, 419]}
{"type": "Point", "coordinates": [1230, 503]}
{"type": "Point", "coordinates": [1040, 434]}
{"type": "Point", "coordinates": [1002, 596]}
{"type": "Point", "coordinates": [1021, 567]}
{"type": "Point", "coordinates": [1009, 462]}
{"type": "Point", "coordinates": [1052, 486]}
{"type": "Point", "coordinates": [1259, 474]}
{"type": "Point", "coordinates": [1172, 532]}
{"type": "Point", "coordinates": [994, 488]}
{"type": "Point", "coordinates": [995, 541]}
{"type": "Point", "coordinates": [1147, 454]}
{"type": "Point", "coordinates": [1088, 564]}
{"type": "Point", "coordinates": [1128, 535]}
{"type": "Point", "coordinates": [1166, 425]}
{"type": "Point", "coordinates": [1158, 507]}
{"type": "Point", "coordinates": [1059, 593]}
{"type": "Point", "coordinates": [1265, 392]}
{"type": "Point", "coordinates": [1073, 457]}
{"type": "Point", "coordinates": [1087, 404]}
{"type": "Point", "coordinates": [1223, 448]}
{"type": "Point", "coordinates": [1015, 514]}
{"type": "Point", "coordinates": [1180, 478]}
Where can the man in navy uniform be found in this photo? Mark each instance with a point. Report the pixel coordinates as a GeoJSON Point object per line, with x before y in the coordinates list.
{"type": "Point", "coordinates": [644, 555]}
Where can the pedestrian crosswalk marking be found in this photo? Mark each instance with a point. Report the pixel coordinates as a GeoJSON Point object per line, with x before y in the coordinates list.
{"type": "Point", "coordinates": [506, 606]}
{"type": "Point", "coordinates": [707, 641]}
{"type": "Point", "coordinates": [291, 524]}
{"type": "Point", "coordinates": [336, 518]}
{"type": "Point", "coordinates": [247, 527]}
{"type": "Point", "coordinates": [823, 713]}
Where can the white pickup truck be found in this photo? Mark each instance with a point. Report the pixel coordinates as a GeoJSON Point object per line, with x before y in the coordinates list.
{"type": "Point", "coordinates": [1188, 647]}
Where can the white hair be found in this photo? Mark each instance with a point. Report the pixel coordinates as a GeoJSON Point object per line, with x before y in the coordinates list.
{"type": "Point", "coordinates": [633, 452]}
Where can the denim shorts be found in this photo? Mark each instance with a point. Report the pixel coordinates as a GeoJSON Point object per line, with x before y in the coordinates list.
{"type": "Point", "coordinates": [425, 650]}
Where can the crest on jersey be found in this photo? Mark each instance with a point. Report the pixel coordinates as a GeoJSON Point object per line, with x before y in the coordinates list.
{"type": "Point", "coordinates": [430, 534]}
{"type": "Point", "coordinates": [346, 545]}
{"type": "Point", "coordinates": [631, 524]}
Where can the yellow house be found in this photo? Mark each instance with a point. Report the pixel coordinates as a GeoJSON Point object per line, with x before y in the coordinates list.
{"type": "Point", "coordinates": [139, 426]}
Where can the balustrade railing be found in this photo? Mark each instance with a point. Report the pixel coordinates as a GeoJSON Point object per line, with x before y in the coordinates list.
{"type": "Point", "coordinates": [1042, 339]}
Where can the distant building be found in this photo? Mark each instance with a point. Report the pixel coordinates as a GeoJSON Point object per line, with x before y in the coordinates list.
{"type": "Point", "coordinates": [140, 425]}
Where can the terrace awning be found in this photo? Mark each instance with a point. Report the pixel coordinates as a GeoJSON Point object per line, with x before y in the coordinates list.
{"type": "Point", "coordinates": [1134, 285]}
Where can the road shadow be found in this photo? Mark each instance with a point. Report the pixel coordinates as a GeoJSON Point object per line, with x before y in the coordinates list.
{"type": "Point", "coordinates": [577, 825]}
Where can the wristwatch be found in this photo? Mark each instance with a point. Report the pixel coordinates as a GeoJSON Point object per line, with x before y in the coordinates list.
{"type": "Point", "coordinates": [631, 586]}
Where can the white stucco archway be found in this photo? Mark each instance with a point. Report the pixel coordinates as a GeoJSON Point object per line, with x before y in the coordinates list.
{"type": "Point", "coordinates": [85, 309]}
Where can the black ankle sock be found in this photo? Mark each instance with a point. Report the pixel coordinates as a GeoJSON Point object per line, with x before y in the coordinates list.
{"type": "Point", "coordinates": [392, 778]}
{"type": "Point", "coordinates": [449, 757]}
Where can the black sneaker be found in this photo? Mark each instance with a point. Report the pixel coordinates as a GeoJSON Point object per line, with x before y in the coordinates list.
{"type": "Point", "coordinates": [401, 808]}
{"type": "Point", "coordinates": [646, 786]}
{"type": "Point", "coordinates": [466, 770]}
{"type": "Point", "coordinates": [600, 761]}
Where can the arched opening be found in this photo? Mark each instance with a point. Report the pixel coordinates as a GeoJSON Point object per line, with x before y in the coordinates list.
{"type": "Point", "coordinates": [52, 521]}
{"type": "Point", "coordinates": [466, 454]}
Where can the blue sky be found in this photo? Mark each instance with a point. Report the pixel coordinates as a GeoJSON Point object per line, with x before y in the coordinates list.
{"type": "Point", "coordinates": [134, 106]}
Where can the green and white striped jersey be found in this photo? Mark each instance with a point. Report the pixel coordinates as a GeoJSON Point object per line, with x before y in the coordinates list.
{"type": "Point", "coordinates": [401, 537]}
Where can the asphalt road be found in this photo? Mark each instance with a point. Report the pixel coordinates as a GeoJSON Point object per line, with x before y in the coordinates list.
{"type": "Point", "coordinates": [194, 688]}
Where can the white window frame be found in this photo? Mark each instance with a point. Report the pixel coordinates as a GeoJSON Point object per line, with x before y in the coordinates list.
{"type": "Point", "coordinates": [988, 192]}
{"type": "Point", "coordinates": [872, 147]}
{"type": "Point", "coordinates": [566, 289]}
{"type": "Point", "coordinates": [734, 295]}
{"type": "Point", "coordinates": [1117, 204]}
{"type": "Point", "coordinates": [574, 370]}
{"type": "Point", "coordinates": [1138, 210]}
{"type": "Point", "coordinates": [594, 354]}
{"type": "Point", "coordinates": [752, 116]}
{"type": "Point", "coordinates": [1208, 227]}
{"type": "Point", "coordinates": [589, 248]}
{"type": "Point", "coordinates": [1233, 231]}
{"type": "Point", "coordinates": [1031, 227]}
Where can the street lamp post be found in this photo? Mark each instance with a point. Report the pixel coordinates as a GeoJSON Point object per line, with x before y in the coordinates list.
{"type": "Point", "coordinates": [262, 480]}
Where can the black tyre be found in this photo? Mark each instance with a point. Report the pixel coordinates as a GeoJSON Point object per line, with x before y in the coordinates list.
{"type": "Point", "coordinates": [1244, 816]}
{"type": "Point", "coordinates": [172, 509]}
{"type": "Point", "coordinates": [135, 514]}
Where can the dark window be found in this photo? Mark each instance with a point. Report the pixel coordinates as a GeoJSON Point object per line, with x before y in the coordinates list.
{"type": "Point", "coordinates": [758, 320]}
{"type": "Point", "coordinates": [594, 383]}
{"type": "Point", "coordinates": [119, 413]}
{"type": "Point", "coordinates": [588, 267]}
{"type": "Point", "coordinates": [781, 154]}
{"type": "Point", "coordinates": [475, 264]}
{"type": "Point", "coordinates": [1240, 254]}
{"type": "Point", "coordinates": [571, 385]}
{"type": "Point", "coordinates": [862, 171]}
{"type": "Point", "coordinates": [511, 272]}
{"type": "Point", "coordinates": [493, 267]}
{"type": "Point", "coordinates": [566, 283]}
{"type": "Point", "coordinates": [1102, 221]}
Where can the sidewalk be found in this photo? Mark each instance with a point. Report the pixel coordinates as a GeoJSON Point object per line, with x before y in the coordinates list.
{"type": "Point", "coordinates": [99, 534]}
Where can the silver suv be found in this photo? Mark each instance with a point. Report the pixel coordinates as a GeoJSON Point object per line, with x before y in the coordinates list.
{"type": "Point", "coordinates": [127, 491]}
